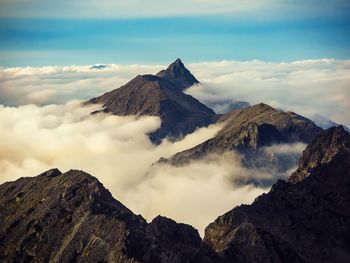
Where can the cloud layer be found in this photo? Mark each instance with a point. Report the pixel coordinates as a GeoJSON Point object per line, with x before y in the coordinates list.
{"type": "Point", "coordinates": [118, 152]}
{"type": "Point", "coordinates": [307, 87]}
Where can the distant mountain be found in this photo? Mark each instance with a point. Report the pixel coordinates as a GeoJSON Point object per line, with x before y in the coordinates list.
{"type": "Point", "coordinates": [225, 106]}
{"type": "Point", "coordinates": [325, 123]}
{"type": "Point", "coordinates": [160, 95]}
{"type": "Point", "coordinates": [305, 220]}
{"type": "Point", "coordinates": [71, 217]}
{"type": "Point", "coordinates": [248, 130]}
{"type": "Point", "coordinates": [99, 66]}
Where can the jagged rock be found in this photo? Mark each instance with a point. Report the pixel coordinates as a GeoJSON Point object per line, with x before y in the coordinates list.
{"type": "Point", "coordinates": [71, 217]}
{"type": "Point", "coordinates": [333, 143]}
{"type": "Point", "coordinates": [307, 221]}
{"type": "Point", "coordinates": [160, 95]}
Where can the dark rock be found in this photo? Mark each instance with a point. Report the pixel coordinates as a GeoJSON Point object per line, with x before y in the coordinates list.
{"type": "Point", "coordinates": [308, 221]}
{"type": "Point", "coordinates": [73, 218]}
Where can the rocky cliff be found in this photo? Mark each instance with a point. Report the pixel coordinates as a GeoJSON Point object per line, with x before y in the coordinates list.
{"type": "Point", "coordinates": [305, 220]}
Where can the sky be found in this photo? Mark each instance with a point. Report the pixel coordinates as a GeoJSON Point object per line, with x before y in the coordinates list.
{"type": "Point", "coordinates": [41, 33]}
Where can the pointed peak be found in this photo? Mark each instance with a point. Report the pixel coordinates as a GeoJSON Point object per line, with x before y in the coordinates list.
{"type": "Point", "coordinates": [179, 75]}
{"type": "Point", "coordinates": [178, 62]}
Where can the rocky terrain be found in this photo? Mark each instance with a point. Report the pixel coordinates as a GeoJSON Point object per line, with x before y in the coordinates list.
{"type": "Point", "coordinates": [304, 220]}
{"type": "Point", "coordinates": [71, 217]}
{"type": "Point", "coordinates": [247, 131]}
{"type": "Point", "coordinates": [160, 95]}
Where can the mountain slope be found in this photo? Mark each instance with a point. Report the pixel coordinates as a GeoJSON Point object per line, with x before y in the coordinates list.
{"type": "Point", "coordinates": [250, 129]}
{"type": "Point", "coordinates": [71, 217]}
{"type": "Point", "coordinates": [306, 220]}
{"type": "Point", "coordinates": [159, 96]}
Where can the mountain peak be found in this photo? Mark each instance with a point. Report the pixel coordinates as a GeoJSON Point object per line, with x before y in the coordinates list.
{"type": "Point", "coordinates": [330, 150]}
{"type": "Point", "coordinates": [179, 75]}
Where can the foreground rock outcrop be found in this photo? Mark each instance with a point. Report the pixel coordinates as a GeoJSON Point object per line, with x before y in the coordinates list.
{"type": "Point", "coordinates": [305, 220]}
{"type": "Point", "coordinates": [71, 217]}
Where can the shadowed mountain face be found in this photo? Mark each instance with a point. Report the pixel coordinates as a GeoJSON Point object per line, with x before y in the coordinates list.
{"type": "Point", "coordinates": [161, 96]}
{"type": "Point", "coordinates": [248, 130]}
{"type": "Point", "coordinates": [71, 217]}
{"type": "Point", "coordinates": [307, 220]}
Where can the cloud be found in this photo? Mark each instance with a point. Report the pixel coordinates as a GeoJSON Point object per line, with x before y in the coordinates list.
{"type": "Point", "coordinates": [52, 84]}
{"type": "Point", "coordinates": [118, 152]}
{"type": "Point", "coordinates": [306, 87]}
{"type": "Point", "coordinates": [160, 8]}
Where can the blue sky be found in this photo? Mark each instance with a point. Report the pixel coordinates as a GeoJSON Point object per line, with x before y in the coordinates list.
{"type": "Point", "coordinates": [37, 33]}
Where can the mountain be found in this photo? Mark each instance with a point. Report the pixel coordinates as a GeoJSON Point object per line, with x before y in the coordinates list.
{"type": "Point", "coordinates": [160, 95]}
{"type": "Point", "coordinates": [71, 217]}
{"type": "Point", "coordinates": [304, 220]}
{"type": "Point", "coordinates": [324, 122]}
{"type": "Point", "coordinates": [99, 66]}
{"type": "Point", "coordinates": [179, 75]}
{"type": "Point", "coordinates": [248, 131]}
{"type": "Point", "coordinates": [225, 106]}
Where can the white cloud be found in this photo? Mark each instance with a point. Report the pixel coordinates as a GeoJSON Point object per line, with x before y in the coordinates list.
{"type": "Point", "coordinates": [52, 84]}
{"type": "Point", "coordinates": [306, 87]}
{"type": "Point", "coordinates": [118, 152]}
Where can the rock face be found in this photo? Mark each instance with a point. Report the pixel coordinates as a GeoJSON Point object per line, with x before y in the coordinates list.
{"type": "Point", "coordinates": [249, 130]}
{"type": "Point", "coordinates": [71, 217]}
{"type": "Point", "coordinates": [305, 220]}
{"type": "Point", "coordinates": [160, 95]}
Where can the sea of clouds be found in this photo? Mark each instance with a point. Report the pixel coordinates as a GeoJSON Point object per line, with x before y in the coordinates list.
{"type": "Point", "coordinates": [43, 126]}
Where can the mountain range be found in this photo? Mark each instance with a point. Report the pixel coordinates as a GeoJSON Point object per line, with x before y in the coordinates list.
{"type": "Point", "coordinates": [71, 217]}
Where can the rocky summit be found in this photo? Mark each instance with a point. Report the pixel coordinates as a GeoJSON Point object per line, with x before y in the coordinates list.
{"type": "Point", "coordinates": [247, 131]}
{"type": "Point", "coordinates": [304, 220]}
{"type": "Point", "coordinates": [160, 95]}
{"type": "Point", "coordinates": [71, 217]}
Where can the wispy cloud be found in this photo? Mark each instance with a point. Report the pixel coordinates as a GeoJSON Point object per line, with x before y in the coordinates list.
{"type": "Point", "coordinates": [307, 87]}
{"type": "Point", "coordinates": [160, 8]}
